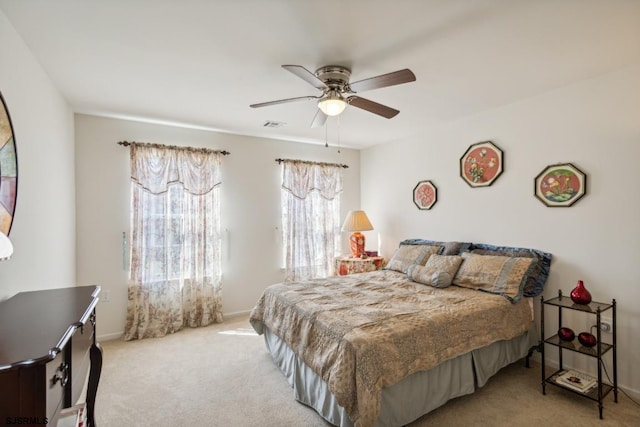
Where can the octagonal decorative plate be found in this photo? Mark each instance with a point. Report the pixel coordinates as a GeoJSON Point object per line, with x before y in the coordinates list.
{"type": "Point", "coordinates": [481, 164]}
{"type": "Point", "coordinates": [425, 195]}
{"type": "Point", "coordinates": [560, 185]}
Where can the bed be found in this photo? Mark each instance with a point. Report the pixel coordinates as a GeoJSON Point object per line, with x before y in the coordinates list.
{"type": "Point", "coordinates": [383, 348]}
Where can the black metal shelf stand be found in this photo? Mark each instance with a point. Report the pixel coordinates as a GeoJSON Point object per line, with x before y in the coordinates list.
{"type": "Point", "coordinates": [602, 389]}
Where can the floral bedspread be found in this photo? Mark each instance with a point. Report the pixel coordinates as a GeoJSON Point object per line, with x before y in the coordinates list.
{"type": "Point", "coordinates": [367, 331]}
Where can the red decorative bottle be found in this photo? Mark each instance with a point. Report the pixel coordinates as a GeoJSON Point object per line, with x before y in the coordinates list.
{"type": "Point", "coordinates": [580, 294]}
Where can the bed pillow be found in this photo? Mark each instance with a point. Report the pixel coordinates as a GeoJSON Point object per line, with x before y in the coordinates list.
{"type": "Point", "coordinates": [539, 273]}
{"type": "Point", "coordinates": [449, 248]}
{"type": "Point", "coordinates": [426, 276]}
{"type": "Point", "coordinates": [439, 270]}
{"type": "Point", "coordinates": [496, 274]}
{"type": "Point", "coordinates": [408, 255]}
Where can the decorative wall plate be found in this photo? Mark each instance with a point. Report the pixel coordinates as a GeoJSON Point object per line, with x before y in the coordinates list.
{"type": "Point", "coordinates": [560, 185]}
{"type": "Point", "coordinates": [481, 164]}
{"type": "Point", "coordinates": [425, 195]}
{"type": "Point", "coordinates": [8, 169]}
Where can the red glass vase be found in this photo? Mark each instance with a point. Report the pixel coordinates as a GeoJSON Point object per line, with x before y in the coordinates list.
{"type": "Point", "coordinates": [586, 339]}
{"type": "Point", "coordinates": [566, 334]}
{"type": "Point", "coordinates": [580, 294]}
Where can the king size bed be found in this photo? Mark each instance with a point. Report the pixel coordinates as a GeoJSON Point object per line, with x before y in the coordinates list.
{"type": "Point", "coordinates": [385, 347]}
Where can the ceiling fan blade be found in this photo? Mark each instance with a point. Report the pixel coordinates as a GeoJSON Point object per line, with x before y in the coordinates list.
{"type": "Point", "coordinates": [390, 79]}
{"type": "Point", "coordinates": [283, 101]}
{"type": "Point", "coordinates": [306, 75]}
{"type": "Point", "coordinates": [372, 107]}
{"type": "Point", "coordinates": [319, 119]}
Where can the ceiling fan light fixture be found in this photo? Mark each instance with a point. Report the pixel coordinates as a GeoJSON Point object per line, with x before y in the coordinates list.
{"type": "Point", "coordinates": [333, 104]}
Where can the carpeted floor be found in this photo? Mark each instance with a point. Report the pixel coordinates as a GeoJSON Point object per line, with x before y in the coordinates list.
{"type": "Point", "coordinates": [223, 376]}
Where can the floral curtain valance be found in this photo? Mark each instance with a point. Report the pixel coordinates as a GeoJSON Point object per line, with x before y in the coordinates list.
{"type": "Point", "coordinates": [155, 167]}
{"type": "Point", "coordinates": [300, 178]}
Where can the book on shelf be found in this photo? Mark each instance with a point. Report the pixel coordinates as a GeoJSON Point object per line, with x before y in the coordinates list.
{"type": "Point", "coordinates": [576, 380]}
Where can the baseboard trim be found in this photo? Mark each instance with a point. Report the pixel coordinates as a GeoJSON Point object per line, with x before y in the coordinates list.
{"type": "Point", "coordinates": [236, 314]}
{"type": "Point", "coordinates": [119, 335]}
{"type": "Point", "coordinates": [109, 337]}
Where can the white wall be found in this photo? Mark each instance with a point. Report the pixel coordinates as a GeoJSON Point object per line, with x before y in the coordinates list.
{"type": "Point", "coordinates": [250, 206]}
{"type": "Point", "coordinates": [43, 231]}
{"type": "Point", "coordinates": [594, 124]}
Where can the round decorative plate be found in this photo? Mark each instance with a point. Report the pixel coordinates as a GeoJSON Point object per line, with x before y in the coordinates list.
{"type": "Point", "coordinates": [8, 170]}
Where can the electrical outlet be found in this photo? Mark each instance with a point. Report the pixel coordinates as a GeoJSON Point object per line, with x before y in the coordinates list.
{"type": "Point", "coordinates": [605, 325]}
{"type": "Point", "coordinates": [105, 296]}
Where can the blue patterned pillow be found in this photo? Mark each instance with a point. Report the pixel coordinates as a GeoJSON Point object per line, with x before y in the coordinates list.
{"type": "Point", "coordinates": [539, 272]}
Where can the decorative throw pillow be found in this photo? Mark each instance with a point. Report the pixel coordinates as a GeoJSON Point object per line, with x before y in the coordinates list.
{"type": "Point", "coordinates": [407, 255]}
{"type": "Point", "coordinates": [427, 276]}
{"type": "Point", "coordinates": [500, 275]}
{"type": "Point", "coordinates": [439, 270]}
{"type": "Point", "coordinates": [446, 263]}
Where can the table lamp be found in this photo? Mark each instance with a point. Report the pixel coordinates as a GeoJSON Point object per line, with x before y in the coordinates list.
{"type": "Point", "coordinates": [356, 221]}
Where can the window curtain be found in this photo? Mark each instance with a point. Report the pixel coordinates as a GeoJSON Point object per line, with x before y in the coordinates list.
{"type": "Point", "coordinates": [175, 275]}
{"type": "Point", "coordinates": [310, 218]}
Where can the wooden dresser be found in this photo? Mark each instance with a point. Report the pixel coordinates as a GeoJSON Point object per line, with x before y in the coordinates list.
{"type": "Point", "coordinates": [47, 348]}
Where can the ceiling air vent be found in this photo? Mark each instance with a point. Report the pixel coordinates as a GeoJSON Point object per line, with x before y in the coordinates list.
{"type": "Point", "coordinates": [272, 124]}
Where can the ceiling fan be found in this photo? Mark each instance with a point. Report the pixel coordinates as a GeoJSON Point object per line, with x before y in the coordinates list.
{"type": "Point", "coordinates": [337, 91]}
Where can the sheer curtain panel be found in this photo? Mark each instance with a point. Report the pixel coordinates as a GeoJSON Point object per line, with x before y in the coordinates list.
{"type": "Point", "coordinates": [175, 278]}
{"type": "Point", "coordinates": [310, 218]}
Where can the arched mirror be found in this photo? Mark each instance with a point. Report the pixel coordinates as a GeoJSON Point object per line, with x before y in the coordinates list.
{"type": "Point", "coordinates": [8, 169]}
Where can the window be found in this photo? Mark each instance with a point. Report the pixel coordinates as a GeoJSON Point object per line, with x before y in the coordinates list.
{"type": "Point", "coordinates": [175, 277]}
{"type": "Point", "coordinates": [310, 218]}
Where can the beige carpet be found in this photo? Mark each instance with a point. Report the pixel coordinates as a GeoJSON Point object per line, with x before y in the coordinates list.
{"type": "Point", "coordinates": [222, 375]}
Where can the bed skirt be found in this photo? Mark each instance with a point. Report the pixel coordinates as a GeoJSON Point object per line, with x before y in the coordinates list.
{"type": "Point", "coordinates": [415, 395]}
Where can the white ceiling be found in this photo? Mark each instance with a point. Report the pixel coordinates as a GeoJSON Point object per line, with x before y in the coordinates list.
{"type": "Point", "coordinates": [202, 63]}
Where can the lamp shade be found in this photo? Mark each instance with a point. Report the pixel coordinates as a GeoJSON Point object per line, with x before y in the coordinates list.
{"type": "Point", "coordinates": [6, 247]}
{"type": "Point", "coordinates": [356, 221]}
{"type": "Point", "coordinates": [333, 104]}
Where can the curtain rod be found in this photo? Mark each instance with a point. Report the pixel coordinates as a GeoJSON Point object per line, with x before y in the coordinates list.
{"type": "Point", "coordinates": [149, 144]}
{"type": "Point", "coordinates": [313, 163]}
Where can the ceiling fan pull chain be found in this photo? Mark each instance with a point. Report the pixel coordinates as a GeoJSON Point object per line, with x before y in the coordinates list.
{"type": "Point", "coordinates": [338, 134]}
{"type": "Point", "coordinates": [326, 137]}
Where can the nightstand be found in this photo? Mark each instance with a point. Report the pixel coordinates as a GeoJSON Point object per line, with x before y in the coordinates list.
{"type": "Point", "coordinates": [348, 265]}
{"type": "Point", "coordinates": [602, 387]}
